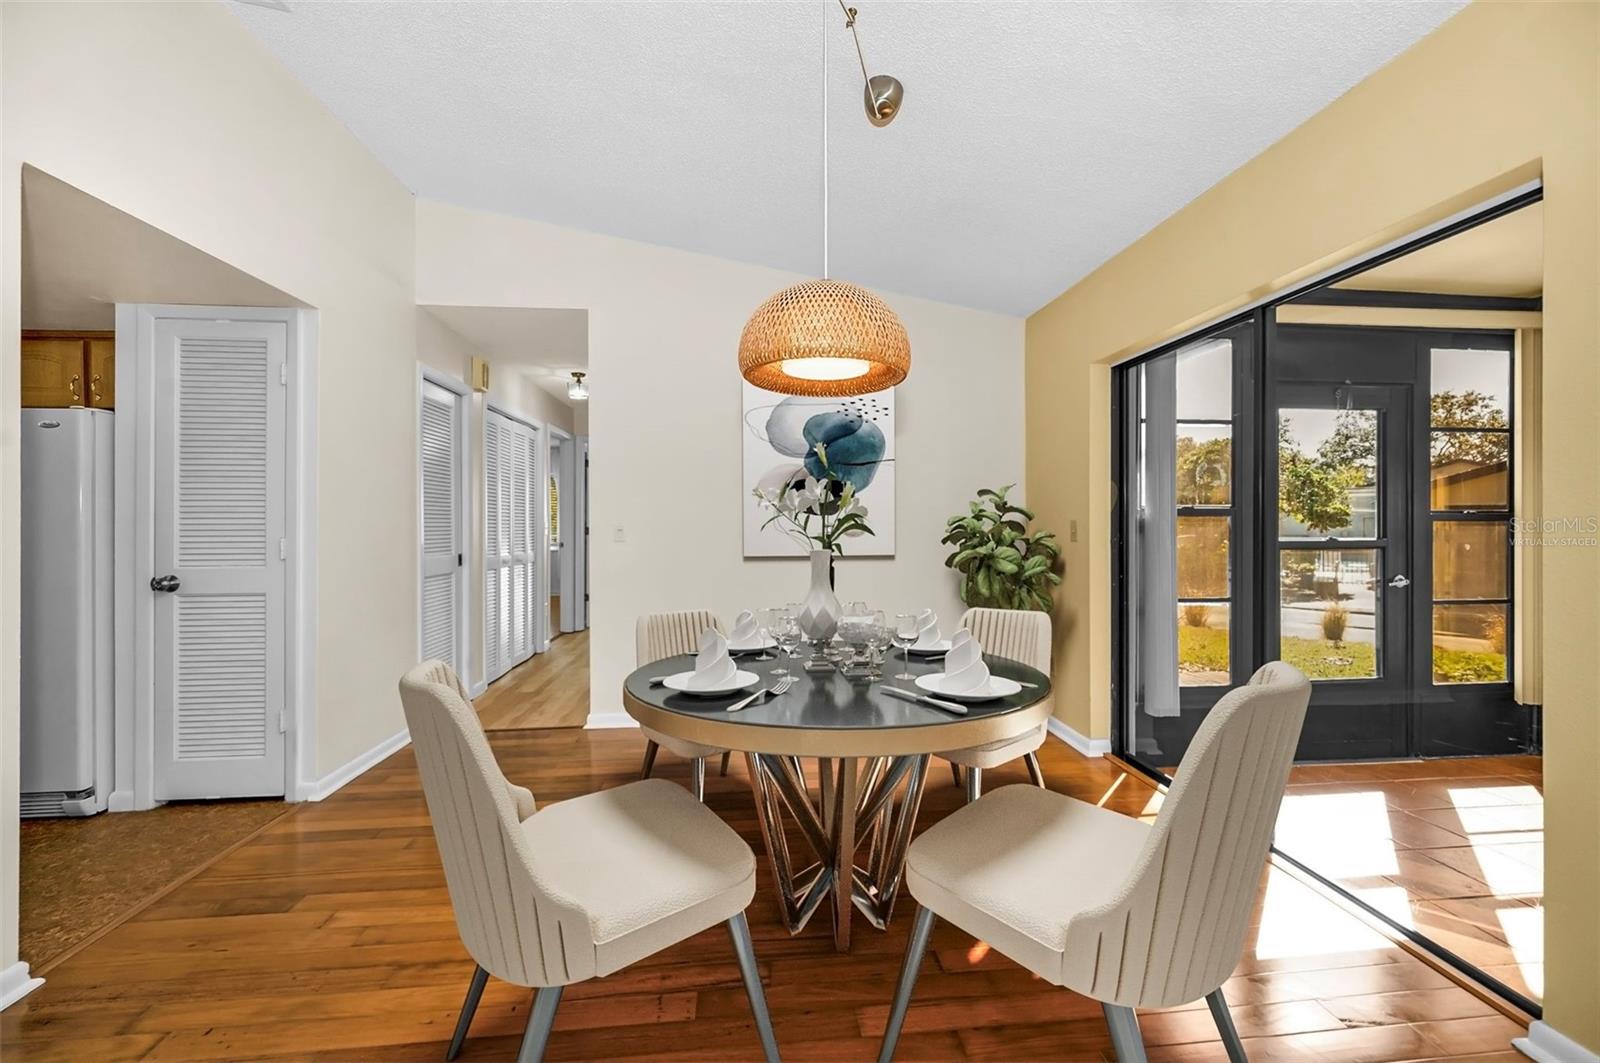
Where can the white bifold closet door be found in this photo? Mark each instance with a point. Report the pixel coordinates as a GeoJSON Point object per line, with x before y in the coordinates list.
{"type": "Point", "coordinates": [219, 554]}
{"type": "Point", "coordinates": [439, 454]}
{"type": "Point", "coordinates": [513, 538]}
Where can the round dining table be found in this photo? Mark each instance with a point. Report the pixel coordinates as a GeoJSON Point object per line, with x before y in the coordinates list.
{"type": "Point", "coordinates": [871, 751]}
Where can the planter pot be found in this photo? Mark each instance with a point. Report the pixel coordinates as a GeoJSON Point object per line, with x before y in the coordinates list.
{"type": "Point", "coordinates": [819, 613]}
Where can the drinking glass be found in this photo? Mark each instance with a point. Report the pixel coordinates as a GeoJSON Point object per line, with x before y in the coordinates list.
{"type": "Point", "coordinates": [857, 609]}
{"type": "Point", "coordinates": [882, 635]}
{"type": "Point", "coordinates": [786, 633]}
{"type": "Point", "coordinates": [905, 635]}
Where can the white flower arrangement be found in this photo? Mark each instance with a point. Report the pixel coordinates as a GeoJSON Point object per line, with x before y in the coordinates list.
{"type": "Point", "coordinates": [816, 513]}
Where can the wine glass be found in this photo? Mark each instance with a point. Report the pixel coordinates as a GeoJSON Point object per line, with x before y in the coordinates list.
{"type": "Point", "coordinates": [905, 635]}
{"type": "Point", "coordinates": [881, 637]}
{"type": "Point", "coordinates": [786, 633]}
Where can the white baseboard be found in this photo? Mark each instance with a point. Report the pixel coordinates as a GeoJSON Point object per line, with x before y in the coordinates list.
{"type": "Point", "coordinates": [602, 720]}
{"type": "Point", "coordinates": [1546, 1044]}
{"type": "Point", "coordinates": [15, 984]}
{"type": "Point", "coordinates": [336, 778]}
{"type": "Point", "coordinates": [121, 801]}
{"type": "Point", "coordinates": [1089, 747]}
{"type": "Point", "coordinates": [477, 690]}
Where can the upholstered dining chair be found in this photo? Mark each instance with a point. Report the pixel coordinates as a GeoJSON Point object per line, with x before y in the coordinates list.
{"type": "Point", "coordinates": [1022, 635]}
{"type": "Point", "coordinates": [657, 636]}
{"type": "Point", "coordinates": [577, 890]}
{"type": "Point", "coordinates": [1129, 914]}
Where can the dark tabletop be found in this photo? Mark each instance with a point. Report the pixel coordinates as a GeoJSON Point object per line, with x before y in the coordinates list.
{"type": "Point", "coordinates": [831, 700]}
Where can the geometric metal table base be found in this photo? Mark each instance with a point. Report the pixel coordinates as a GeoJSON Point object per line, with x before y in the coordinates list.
{"type": "Point", "coordinates": [856, 827]}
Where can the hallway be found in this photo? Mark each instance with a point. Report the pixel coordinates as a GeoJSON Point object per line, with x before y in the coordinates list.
{"type": "Point", "coordinates": [549, 689]}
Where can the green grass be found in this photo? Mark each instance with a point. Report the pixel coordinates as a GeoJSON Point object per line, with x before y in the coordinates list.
{"type": "Point", "coordinates": [1468, 666]}
{"type": "Point", "coordinates": [1320, 659]}
{"type": "Point", "coordinates": [1202, 649]}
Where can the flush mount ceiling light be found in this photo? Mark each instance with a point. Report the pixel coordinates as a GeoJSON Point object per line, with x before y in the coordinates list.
{"type": "Point", "coordinates": [826, 337]}
{"type": "Point", "coordinates": [577, 390]}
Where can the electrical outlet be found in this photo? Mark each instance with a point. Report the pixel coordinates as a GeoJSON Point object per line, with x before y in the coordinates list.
{"type": "Point", "coordinates": [1072, 531]}
{"type": "Point", "coordinates": [619, 534]}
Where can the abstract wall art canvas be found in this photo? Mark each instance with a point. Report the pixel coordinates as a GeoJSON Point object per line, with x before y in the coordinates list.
{"type": "Point", "coordinates": [780, 432]}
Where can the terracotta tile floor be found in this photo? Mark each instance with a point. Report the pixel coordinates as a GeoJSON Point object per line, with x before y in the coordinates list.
{"type": "Point", "coordinates": [1451, 848]}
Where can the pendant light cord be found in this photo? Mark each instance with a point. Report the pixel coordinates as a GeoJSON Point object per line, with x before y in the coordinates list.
{"type": "Point", "coordinates": [825, 16]}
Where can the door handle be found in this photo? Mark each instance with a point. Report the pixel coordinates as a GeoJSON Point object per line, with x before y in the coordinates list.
{"type": "Point", "coordinates": [1400, 581]}
{"type": "Point", "coordinates": [167, 584]}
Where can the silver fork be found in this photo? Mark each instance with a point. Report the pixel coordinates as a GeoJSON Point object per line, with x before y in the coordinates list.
{"type": "Point", "coordinates": [781, 687]}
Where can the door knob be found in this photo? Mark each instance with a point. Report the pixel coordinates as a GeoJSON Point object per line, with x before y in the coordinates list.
{"type": "Point", "coordinates": [164, 583]}
{"type": "Point", "coordinates": [1400, 581]}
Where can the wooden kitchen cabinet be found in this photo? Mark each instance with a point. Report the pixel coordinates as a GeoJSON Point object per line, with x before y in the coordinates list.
{"type": "Point", "coordinates": [69, 369]}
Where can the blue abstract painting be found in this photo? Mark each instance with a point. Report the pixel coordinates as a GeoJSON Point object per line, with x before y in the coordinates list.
{"type": "Point", "coordinates": [781, 433]}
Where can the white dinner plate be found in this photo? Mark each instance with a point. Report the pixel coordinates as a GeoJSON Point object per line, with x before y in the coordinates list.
{"type": "Point", "coordinates": [933, 650]}
{"type": "Point", "coordinates": [759, 647]}
{"type": "Point", "coordinates": [999, 687]}
{"type": "Point", "coordinates": [741, 680]}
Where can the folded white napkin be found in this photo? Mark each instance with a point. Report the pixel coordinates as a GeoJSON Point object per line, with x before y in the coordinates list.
{"type": "Point", "coordinates": [712, 666]}
{"type": "Point", "coordinates": [927, 629]}
{"type": "Point", "coordinates": [964, 669]}
{"type": "Point", "coordinates": [746, 632]}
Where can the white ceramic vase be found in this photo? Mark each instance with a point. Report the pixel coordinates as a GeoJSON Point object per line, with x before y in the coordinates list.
{"type": "Point", "coordinates": [819, 613]}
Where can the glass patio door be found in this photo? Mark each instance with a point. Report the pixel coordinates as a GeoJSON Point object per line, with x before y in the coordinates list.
{"type": "Point", "coordinates": [1339, 597]}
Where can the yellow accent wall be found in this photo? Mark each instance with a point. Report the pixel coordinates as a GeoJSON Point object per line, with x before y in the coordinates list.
{"type": "Point", "coordinates": [1501, 93]}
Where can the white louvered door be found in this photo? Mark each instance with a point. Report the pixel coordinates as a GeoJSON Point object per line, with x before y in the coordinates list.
{"type": "Point", "coordinates": [512, 538]}
{"type": "Point", "coordinates": [219, 681]}
{"type": "Point", "coordinates": [439, 463]}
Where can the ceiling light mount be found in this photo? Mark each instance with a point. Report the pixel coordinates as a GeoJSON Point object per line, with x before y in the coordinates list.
{"type": "Point", "coordinates": [881, 94]}
{"type": "Point", "coordinates": [577, 388]}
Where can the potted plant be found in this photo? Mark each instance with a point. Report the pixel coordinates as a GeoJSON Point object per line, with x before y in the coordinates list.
{"type": "Point", "coordinates": [1002, 566]}
{"type": "Point", "coordinates": [819, 513]}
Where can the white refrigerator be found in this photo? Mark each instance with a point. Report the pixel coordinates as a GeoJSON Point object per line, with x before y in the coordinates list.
{"type": "Point", "coordinates": [66, 611]}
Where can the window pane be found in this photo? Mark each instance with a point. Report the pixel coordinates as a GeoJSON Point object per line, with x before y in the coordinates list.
{"type": "Point", "coordinates": [1469, 560]}
{"type": "Point", "coordinates": [1202, 557]}
{"type": "Point", "coordinates": [1328, 612]}
{"type": "Point", "coordinates": [1205, 381]}
{"type": "Point", "coordinates": [1327, 474]}
{"type": "Point", "coordinates": [1469, 643]}
{"type": "Point", "coordinates": [1471, 389]}
{"type": "Point", "coordinates": [1470, 470]}
{"type": "Point", "coordinates": [1205, 465]}
{"type": "Point", "coordinates": [1202, 644]}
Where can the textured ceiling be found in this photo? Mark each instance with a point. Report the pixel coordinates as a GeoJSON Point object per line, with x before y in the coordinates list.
{"type": "Point", "coordinates": [1037, 139]}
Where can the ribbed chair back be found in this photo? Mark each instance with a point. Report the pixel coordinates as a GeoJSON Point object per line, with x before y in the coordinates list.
{"type": "Point", "coordinates": [1020, 634]}
{"type": "Point", "coordinates": [660, 635]}
{"type": "Point", "coordinates": [1174, 931]}
{"type": "Point", "coordinates": [510, 925]}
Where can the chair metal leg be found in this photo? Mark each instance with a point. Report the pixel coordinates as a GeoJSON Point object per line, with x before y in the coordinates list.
{"type": "Point", "coordinates": [540, 1019]}
{"type": "Point", "coordinates": [698, 778]}
{"type": "Point", "coordinates": [739, 931]}
{"type": "Point", "coordinates": [1035, 772]}
{"type": "Point", "coordinates": [650, 749]}
{"type": "Point", "coordinates": [955, 772]}
{"type": "Point", "coordinates": [1224, 1021]}
{"type": "Point", "coordinates": [470, 1006]}
{"type": "Point", "coordinates": [726, 753]}
{"type": "Point", "coordinates": [1125, 1036]}
{"type": "Point", "coordinates": [908, 981]}
{"type": "Point", "coordinates": [974, 784]}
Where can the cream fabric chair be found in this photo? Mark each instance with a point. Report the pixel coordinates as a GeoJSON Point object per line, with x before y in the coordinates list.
{"type": "Point", "coordinates": [1022, 635]}
{"type": "Point", "coordinates": [578, 890]}
{"type": "Point", "coordinates": [1129, 914]}
{"type": "Point", "coordinates": [657, 636]}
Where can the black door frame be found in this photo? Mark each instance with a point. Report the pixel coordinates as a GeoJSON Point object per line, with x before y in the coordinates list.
{"type": "Point", "coordinates": [1259, 317]}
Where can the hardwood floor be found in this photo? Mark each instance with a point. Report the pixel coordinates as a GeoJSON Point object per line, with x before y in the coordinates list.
{"type": "Point", "coordinates": [1452, 848]}
{"type": "Point", "coordinates": [549, 689]}
{"type": "Point", "coordinates": [329, 937]}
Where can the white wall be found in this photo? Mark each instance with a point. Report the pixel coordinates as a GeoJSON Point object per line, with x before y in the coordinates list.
{"type": "Point", "coordinates": [174, 114]}
{"type": "Point", "coordinates": [665, 453]}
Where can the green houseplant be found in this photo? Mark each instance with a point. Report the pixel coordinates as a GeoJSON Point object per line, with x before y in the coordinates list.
{"type": "Point", "coordinates": [1002, 566]}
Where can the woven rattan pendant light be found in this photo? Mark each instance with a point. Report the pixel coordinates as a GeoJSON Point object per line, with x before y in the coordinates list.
{"type": "Point", "coordinates": [827, 337]}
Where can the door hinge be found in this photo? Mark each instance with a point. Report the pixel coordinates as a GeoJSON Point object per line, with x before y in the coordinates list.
{"type": "Point", "coordinates": [283, 373]}
{"type": "Point", "coordinates": [458, 561]}
{"type": "Point", "coordinates": [283, 722]}
{"type": "Point", "coordinates": [283, 549]}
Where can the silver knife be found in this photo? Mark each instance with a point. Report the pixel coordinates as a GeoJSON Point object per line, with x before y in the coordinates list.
{"type": "Point", "coordinates": [923, 699]}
